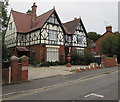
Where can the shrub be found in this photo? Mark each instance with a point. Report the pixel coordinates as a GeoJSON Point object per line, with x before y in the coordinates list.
{"type": "Point", "coordinates": [35, 63]}
{"type": "Point", "coordinates": [53, 63]}
{"type": "Point", "coordinates": [76, 58]}
{"type": "Point", "coordinates": [88, 58]}
{"type": "Point", "coordinates": [45, 64]}
{"type": "Point", "coordinates": [62, 63]}
{"type": "Point", "coordinates": [80, 59]}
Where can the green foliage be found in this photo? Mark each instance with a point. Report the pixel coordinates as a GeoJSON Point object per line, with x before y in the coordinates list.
{"type": "Point", "coordinates": [53, 63]}
{"type": "Point", "coordinates": [88, 58]}
{"type": "Point", "coordinates": [3, 22]}
{"type": "Point", "coordinates": [4, 14]}
{"type": "Point", "coordinates": [93, 36]}
{"type": "Point", "coordinates": [80, 59]}
{"type": "Point", "coordinates": [90, 43]}
{"type": "Point", "coordinates": [33, 59]}
{"type": "Point", "coordinates": [45, 64]}
{"type": "Point", "coordinates": [111, 46]}
{"type": "Point", "coordinates": [62, 63]}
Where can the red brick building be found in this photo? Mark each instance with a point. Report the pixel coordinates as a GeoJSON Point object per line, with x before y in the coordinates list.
{"type": "Point", "coordinates": [97, 48]}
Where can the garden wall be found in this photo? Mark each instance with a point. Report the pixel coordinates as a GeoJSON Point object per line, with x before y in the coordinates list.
{"type": "Point", "coordinates": [109, 62]}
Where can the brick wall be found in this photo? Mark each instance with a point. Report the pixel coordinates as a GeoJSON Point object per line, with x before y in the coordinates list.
{"type": "Point", "coordinates": [39, 50]}
{"type": "Point", "coordinates": [5, 76]}
{"type": "Point", "coordinates": [109, 62]}
{"type": "Point", "coordinates": [19, 71]}
{"type": "Point", "coordinates": [62, 52]}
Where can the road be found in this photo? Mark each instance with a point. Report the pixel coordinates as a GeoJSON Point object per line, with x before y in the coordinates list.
{"type": "Point", "coordinates": [100, 87]}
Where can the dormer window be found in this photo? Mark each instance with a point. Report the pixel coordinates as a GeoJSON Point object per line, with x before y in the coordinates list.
{"type": "Point", "coordinates": [10, 26]}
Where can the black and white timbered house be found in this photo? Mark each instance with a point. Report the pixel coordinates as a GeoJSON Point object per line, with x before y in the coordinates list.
{"type": "Point", "coordinates": [42, 35]}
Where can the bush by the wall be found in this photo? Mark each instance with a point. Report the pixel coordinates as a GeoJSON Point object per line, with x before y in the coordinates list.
{"type": "Point", "coordinates": [88, 58]}
{"type": "Point", "coordinates": [81, 59]}
{"type": "Point", "coordinates": [45, 64]}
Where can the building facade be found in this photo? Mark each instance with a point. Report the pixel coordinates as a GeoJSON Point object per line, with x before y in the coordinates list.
{"type": "Point", "coordinates": [76, 35]}
{"type": "Point", "coordinates": [43, 36]}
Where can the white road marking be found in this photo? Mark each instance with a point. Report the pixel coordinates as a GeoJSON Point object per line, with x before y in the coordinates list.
{"type": "Point", "coordinates": [9, 93]}
{"type": "Point", "coordinates": [97, 95]}
{"type": "Point", "coordinates": [88, 95]}
{"type": "Point", "coordinates": [93, 94]}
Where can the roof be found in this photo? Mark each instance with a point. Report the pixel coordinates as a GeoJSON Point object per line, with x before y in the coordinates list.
{"type": "Point", "coordinates": [23, 21]}
{"type": "Point", "coordinates": [71, 25]}
{"type": "Point", "coordinates": [106, 33]}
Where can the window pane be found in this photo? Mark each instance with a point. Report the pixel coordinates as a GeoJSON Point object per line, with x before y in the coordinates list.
{"type": "Point", "coordinates": [51, 19]}
{"type": "Point", "coordinates": [52, 35]}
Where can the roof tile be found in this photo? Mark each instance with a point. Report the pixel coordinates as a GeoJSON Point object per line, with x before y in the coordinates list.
{"type": "Point", "coordinates": [71, 25]}
{"type": "Point", "coordinates": [23, 21]}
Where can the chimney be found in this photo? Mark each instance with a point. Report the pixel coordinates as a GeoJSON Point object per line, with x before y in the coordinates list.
{"type": "Point", "coordinates": [75, 18]}
{"type": "Point", "coordinates": [29, 12]}
{"type": "Point", "coordinates": [33, 16]}
{"type": "Point", "coordinates": [108, 28]}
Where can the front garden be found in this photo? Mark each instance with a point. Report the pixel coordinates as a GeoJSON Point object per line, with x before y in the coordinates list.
{"type": "Point", "coordinates": [76, 59]}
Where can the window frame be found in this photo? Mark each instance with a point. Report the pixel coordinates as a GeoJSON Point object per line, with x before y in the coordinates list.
{"type": "Point", "coordinates": [10, 26]}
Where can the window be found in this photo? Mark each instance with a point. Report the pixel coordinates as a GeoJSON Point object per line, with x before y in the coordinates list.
{"type": "Point", "coordinates": [79, 27]}
{"type": "Point", "coordinates": [80, 51]}
{"type": "Point", "coordinates": [51, 19]}
{"type": "Point", "coordinates": [53, 35]}
{"type": "Point", "coordinates": [52, 54]}
{"type": "Point", "coordinates": [69, 39]}
{"type": "Point", "coordinates": [10, 26]}
{"type": "Point", "coordinates": [80, 39]}
{"type": "Point", "coordinates": [56, 22]}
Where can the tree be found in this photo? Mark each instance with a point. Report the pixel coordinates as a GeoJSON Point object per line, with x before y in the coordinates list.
{"type": "Point", "coordinates": [111, 46]}
{"type": "Point", "coordinates": [90, 43]}
{"type": "Point", "coordinates": [93, 36]}
{"type": "Point", "coordinates": [3, 26]}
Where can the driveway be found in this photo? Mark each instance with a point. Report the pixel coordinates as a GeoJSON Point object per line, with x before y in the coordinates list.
{"type": "Point", "coordinates": [43, 72]}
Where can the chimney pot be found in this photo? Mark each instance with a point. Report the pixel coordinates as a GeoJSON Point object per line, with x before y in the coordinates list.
{"type": "Point", "coordinates": [75, 18]}
{"type": "Point", "coordinates": [109, 28]}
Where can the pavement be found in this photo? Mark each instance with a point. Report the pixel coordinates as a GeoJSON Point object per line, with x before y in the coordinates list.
{"type": "Point", "coordinates": [11, 90]}
{"type": "Point", "coordinates": [99, 84]}
{"type": "Point", "coordinates": [43, 72]}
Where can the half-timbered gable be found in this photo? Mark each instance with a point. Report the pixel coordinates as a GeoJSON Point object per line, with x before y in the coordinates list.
{"type": "Point", "coordinates": [79, 37]}
{"type": "Point", "coordinates": [76, 35]}
{"type": "Point", "coordinates": [11, 33]}
{"type": "Point", "coordinates": [52, 33]}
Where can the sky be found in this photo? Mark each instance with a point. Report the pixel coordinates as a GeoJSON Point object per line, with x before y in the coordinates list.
{"type": "Point", "coordinates": [95, 14]}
